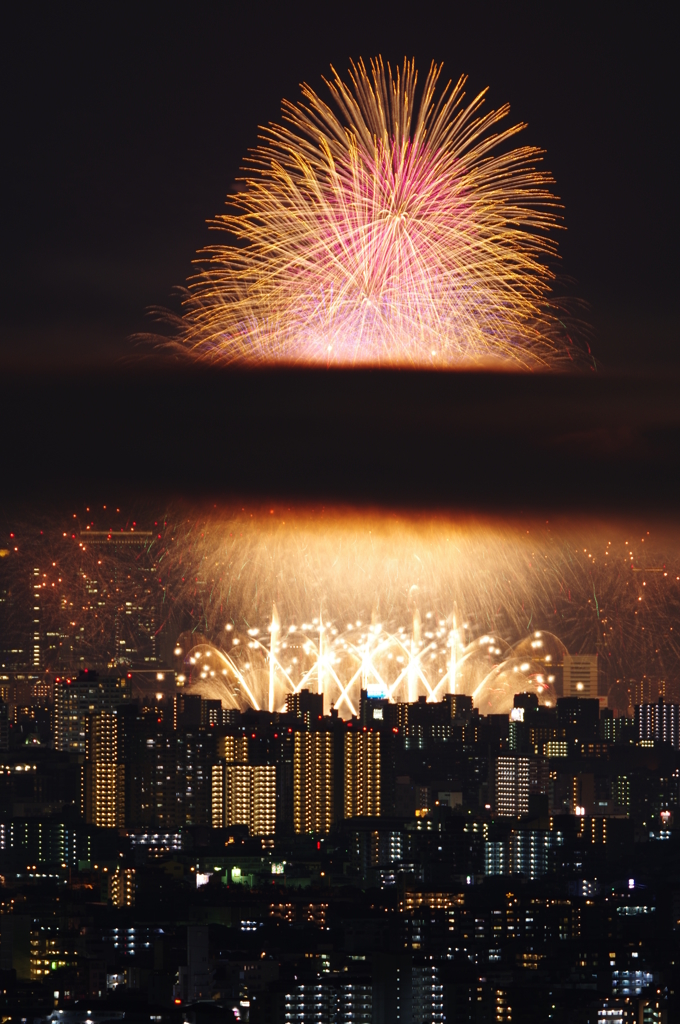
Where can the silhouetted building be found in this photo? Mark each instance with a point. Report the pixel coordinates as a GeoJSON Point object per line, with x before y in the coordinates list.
{"type": "Point", "coordinates": [578, 718]}
{"type": "Point", "coordinates": [305, 705]}
{"type": "Point", "coordinates": [4, 726]}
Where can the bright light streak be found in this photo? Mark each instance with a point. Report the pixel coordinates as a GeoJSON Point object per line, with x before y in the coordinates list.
{"type": "Point", "coordinates": [371, 229]}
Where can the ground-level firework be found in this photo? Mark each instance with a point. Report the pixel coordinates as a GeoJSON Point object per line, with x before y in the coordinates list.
{"type": "Point", "coordinates": [609, 589]}
{"type": "Point", "coordinates": [427, 661]}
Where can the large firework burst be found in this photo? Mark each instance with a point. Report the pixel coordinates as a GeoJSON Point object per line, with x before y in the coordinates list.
{"type": "Point", "coordinates": [382, 229]}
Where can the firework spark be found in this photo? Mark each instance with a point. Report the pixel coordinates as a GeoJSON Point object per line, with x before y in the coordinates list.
{"type": "Point", "coordinates": [353, 589]}
{"type": "Point", "coordinates": [260, 671]}
{"type": "Point", "coordinates": [384, 229]}
{"type": "Point", "coordinates": [350, 588]}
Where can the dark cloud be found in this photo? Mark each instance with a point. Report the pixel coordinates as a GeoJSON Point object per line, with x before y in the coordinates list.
{"type": "Point", "coordinates": [506, 443]}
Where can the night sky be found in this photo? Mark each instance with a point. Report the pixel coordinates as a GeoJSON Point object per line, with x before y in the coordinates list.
{"type": "Point", "coordinates": [125, 125]}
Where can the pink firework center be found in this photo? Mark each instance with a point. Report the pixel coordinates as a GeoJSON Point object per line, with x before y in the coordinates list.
{"type": "Point", "coordinates": [382, 229]}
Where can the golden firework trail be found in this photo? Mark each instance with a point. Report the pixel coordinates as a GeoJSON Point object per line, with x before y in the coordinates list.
{"type": "Point", "coordinates": [395, 665]}
{"type": "Point", "coordinates": [339, 599]}
{"type": "Point", "coordinates": [388, 226]}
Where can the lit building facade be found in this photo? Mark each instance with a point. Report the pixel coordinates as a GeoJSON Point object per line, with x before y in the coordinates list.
{"type": "Point", "coordinates": [36, 637]}
{"type": "Point", "coordinates": [75, 700]}
{"type": "Point", "coordinates": [510, 780]}
{"type": "Point", "coordinates": [313, 782]}
{"type": "Point", "coordinates": [104, 776]}
{"type": "Point", "coordinates": [333, 999]}
{"type": "Point", "coordinates": [233, 748]}
{"type": "Point", "coordinates": [122, 887]}
{"type": "Point", "coordinates": [427, 994]}
{"type": "Point", "coordinates": [659, 722]}
{"type": "Point", "coordinates": [362, 774]}
{"type": "Point", "coordinates": [244, 794]}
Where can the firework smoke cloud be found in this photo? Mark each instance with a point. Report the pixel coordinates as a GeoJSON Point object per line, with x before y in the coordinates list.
{"type": "Point", "coordinates": [389, 226]}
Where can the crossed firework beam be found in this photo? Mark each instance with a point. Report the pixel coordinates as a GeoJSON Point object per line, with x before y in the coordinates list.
{"type": "Point", "coordinates": [323, 667]}
{"type": "Point", "coordinates": [377, 644]}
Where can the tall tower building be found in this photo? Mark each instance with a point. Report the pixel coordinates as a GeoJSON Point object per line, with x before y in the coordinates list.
{"type": "Point", "coordinates": [76, 699]}
{"type": "Point", "coordinates": [104, 776]}
{"type": "Point", "coordinates": [510, 781]}
{"type": "Point", "coordinates": [4, 725]}
{"type": "Point", "coordinates": [263, 814]}
{"type": "Point", "coordinates": [36, 644]}
{"type": "Point", "coordinates": [313, 781]}
{"type": "Point", "coordinates": [244, 794]}
{"type": "Point", "coordinates": [580, 675]}
{"type": "Point", "coordinates": [362, 774]}
{"type": "Point", "coordinates": [305, 705]}
{"type": "Point", "coordinates": [646, 690]}
{"type": "Point", "coordinates": [659, 722]}
{"type": "Point", "coordinates": [238, 794]}
{"type": "Point", "coordinates": [233, 748]}
{"type": "Point", "coordinates": [169, 776]}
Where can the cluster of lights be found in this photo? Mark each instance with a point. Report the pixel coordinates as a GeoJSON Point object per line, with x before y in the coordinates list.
{"type": "Point", "coordinates": [433, 658]}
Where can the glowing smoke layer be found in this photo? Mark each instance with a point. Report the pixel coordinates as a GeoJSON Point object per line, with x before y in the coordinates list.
{"type": "Point", "coordinates": [597, 588]}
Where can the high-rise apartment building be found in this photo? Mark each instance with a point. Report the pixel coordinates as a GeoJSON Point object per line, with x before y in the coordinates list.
{"type": "Point", "coordinates": [427, 994]}
{"type": "Point", "coordinates": [36, 646]}
{"type": "Point", "coordinates": [263, 820]}
{"type": "Point", "coordinates": [186, 711]}
{"type": "Point", "coordinates": [75, 700]}
{"type": "Point", "coordinates": [233, 748]}
{"type": "Point", "coordinates": [510, 783]}
{"type": "Point", "coordinates": [580, 675]}
{"type": "Point", "coordinates": [495, 858]}
{"type": "Point", "coordinates": [578, 719]}
{"type": "Point", "coordinates": [646, 690]}
{"type": "Point", "coordinates": [169, 777]}
{"type": "Point", "coordinates": [313, 781]}
{"type": "Point", "coordinates": [122, 887]}
{"type": "Point", "coordinates": [362, 774]}
{"type": "Point", "coordinates": [528, 853]}
{"type": "Point", "coordinates": [244, 794]}
{"type": "Point", "coordinates": [305, 705]}
{"type": "Point", "coordinates": [105, 795]}
{"type": "Point", "coordinates": [659, 722]}
{"type": "Point", "coordinates": [104, 775]}
{"type": "Point", "coordinates": [238, 794]}
{"type": "Point", "coordinates": [338, 999]}
{"type": "Point", "coordinates": [102, 737]}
